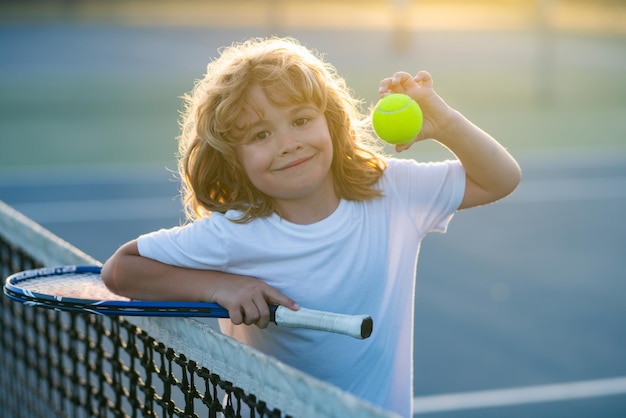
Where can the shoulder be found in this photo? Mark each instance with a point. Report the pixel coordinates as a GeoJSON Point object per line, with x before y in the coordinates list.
{"type": "Point", "coordinates": [216, 225]}
{"type": "Point", "coordinates": [411, 164]}
{"type": "Point", "coordinates": [408, 169]}
{"type": "Point", "coordinates": [412, 181]}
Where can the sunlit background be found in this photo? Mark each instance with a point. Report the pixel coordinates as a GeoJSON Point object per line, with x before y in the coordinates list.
{"type": "Point", "coordinates": [522, 294]}
{"type": "Point", "coordinates": [83, 79]}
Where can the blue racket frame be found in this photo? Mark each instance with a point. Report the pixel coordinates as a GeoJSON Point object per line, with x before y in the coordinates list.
{"type": "Point", "coordinates": [121, 307]}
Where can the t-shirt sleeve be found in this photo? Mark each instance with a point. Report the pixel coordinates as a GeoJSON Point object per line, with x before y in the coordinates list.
{"type": "Point", "coordinates": [430, 192]}
{"type": "Point", "coordinates": [200, 245]}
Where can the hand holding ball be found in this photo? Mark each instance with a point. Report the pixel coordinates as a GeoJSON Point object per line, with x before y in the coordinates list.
{"type": "Point", "coordinates": [397, 119]}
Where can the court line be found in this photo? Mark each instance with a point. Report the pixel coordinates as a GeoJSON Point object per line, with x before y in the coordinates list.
{"type": "Point", "coordinates": [519, 396]}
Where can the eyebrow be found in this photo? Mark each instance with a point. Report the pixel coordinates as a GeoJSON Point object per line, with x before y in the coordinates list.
{"type": "Point", "coordinates": [295, 110]}
{"type": "Point", "coordinates": [303, 106]}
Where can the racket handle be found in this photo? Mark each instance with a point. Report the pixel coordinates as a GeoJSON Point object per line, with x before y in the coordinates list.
{"type": "Point", "coordinates": [357, 326]}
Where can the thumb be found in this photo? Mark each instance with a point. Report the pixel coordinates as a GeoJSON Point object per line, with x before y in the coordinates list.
{"type": "Point", "coordinates": [404, 147]}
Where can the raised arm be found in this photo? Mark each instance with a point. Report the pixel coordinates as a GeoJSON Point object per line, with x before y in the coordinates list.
{"type": "Point", "coordinates": [492, 173]}
{"type": "Point", "coordinates": [129, 274]}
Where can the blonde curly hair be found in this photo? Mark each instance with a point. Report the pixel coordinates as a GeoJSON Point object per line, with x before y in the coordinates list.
{"type": "Point", "coordinates": [213, 179]}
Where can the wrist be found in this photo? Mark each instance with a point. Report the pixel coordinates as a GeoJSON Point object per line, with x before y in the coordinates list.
{"type": "Point", "coordinates": [450, 125]}
{"type": "Point", "coordinates": [453, 127]}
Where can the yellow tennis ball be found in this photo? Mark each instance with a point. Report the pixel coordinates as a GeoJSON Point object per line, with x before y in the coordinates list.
{"type": "Point", "coordinates": [397, 119]}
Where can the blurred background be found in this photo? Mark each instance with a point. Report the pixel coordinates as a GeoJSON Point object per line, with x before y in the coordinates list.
{"type": "Point", "coordinates": [519, 308]}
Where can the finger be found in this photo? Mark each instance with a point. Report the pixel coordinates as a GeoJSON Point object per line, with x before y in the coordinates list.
{"type": "Point", "coordinates": [423, 79]}
{"type": "Point", "coordinates": [401, 81]}
{"type": "Point", "coordinates": [384, 87]}
{"type": "Point", "coordinates": [250, 313]}
{"type": "Point", "coordinates": [236, 316]}
{"type": "Point", "coordinates": [264, 314]}
{"type": "Point", "coordinates": [403, 147]}
{"type": "Point", "coordinates": [275, 297]}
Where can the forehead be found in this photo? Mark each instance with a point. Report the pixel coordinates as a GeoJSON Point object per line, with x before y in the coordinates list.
{"type": "Point", "coordinates": [256, 103]}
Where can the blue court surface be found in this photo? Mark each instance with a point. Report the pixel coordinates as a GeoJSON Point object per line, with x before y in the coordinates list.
{"type": "Point", "coordinates": [520, 307]}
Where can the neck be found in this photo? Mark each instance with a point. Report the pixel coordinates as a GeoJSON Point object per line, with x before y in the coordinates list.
{"type": "Point", "coordinates": [308, 212]}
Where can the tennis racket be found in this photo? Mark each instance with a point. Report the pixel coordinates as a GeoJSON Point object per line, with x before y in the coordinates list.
{"type": "Point", "coordinates": [80, 289]}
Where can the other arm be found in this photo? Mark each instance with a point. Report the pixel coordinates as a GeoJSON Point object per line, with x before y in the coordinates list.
{"type": "Point", "coordinates": [491, 172]}
{"type": "Point", "coordinates": [129, 274]}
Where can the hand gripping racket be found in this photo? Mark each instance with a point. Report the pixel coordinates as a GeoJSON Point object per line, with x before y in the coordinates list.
{"type": "Point", "coordinates": [80, 289]}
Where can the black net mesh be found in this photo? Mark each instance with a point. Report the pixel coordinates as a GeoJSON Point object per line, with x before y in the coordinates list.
{"type": "Point", "coordinates": [81, 365]}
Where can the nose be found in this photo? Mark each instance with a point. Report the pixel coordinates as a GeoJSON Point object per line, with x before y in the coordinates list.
{"type": "Point", "coordinates": [287, 142]}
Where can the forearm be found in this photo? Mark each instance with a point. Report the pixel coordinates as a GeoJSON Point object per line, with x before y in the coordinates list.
{"type": "Point", "coordinates": [129, 274]}
{"type": "Point", "coordinates": [492, 173]}
{"type": "Point", "coordinates": [138, 277]}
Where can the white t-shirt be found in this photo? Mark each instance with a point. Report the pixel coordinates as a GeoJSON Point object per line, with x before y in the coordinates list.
{"type": "Point", "coordinates": [359, 260]}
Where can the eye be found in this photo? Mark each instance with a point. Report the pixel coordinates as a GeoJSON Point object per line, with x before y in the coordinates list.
{"type": "Point", "coordinates": [301, 121]}
{"type": "Point", "coordinates": [260, 136]}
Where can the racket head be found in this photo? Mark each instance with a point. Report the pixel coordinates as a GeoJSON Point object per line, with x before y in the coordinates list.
{"type": "Point", "coordinates": [61, 286]}
{"type": "Point", "coordinates": [81, 289]}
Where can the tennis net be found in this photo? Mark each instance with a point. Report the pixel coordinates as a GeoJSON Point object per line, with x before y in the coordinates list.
{"type": "Point", "coordinates": [80, 365]}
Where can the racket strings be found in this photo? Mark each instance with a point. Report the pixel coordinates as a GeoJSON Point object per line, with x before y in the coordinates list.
{"type": "Point", "coordinates": [71, 285]}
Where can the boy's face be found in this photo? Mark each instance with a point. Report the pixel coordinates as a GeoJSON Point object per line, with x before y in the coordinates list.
{"type": "Point", "coordinates": [287, 152]}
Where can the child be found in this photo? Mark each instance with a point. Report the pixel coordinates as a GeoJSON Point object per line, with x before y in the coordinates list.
{"type": "Point", "coordinates": [288, 205]}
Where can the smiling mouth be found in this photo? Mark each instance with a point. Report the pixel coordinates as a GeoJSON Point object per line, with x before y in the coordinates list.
{"type": "Point", "coordinates": [294, 164]}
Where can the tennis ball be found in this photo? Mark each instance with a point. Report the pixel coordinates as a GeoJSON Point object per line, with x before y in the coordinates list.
{"type": "Point", "coordinates": [397, 119]}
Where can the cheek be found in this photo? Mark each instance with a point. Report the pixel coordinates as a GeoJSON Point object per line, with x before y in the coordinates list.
{"type": "Point", "coordinates": [244, 158]}
{"type": "Point", "coordinates": [329, 147]}
{"type": "Point", "coordinates": [253, 165]}
{"type": "Point", "coordinates": [320, 136]}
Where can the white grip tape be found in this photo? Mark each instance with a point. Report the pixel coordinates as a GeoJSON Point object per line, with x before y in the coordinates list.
{"type": "Point", "coordinates": [357, 326]}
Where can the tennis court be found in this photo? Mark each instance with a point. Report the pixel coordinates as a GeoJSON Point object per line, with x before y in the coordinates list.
{"type": "Point", "coordinates": [519, 307]}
